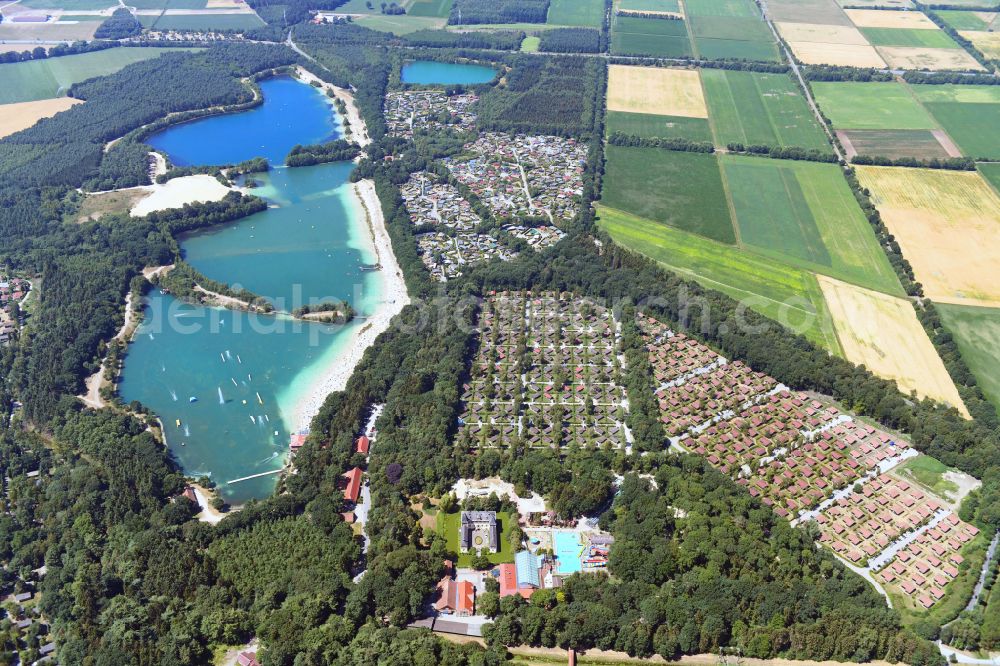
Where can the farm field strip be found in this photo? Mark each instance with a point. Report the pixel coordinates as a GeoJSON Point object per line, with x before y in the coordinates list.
{"type": "Point", "coordinates": [583, 13]}
{"type": "Point", "coordinates": [977, 332]}
{"type": "Point", "coordinates": [656, 90]}
{"type": "Point", "coordinates": [987, 42]}
{"type": "Point", "coordinates": [946, 223]}
{"type": "Point", "coordinates": [874, 18]}
{"type": "Point", "coordinates": [22, 115]}
{"type": "Point", "coordinates": [658, 38]}
{"type": "Point", "coordinates": [882, 333]}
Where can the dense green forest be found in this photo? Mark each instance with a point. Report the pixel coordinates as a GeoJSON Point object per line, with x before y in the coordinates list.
{"type": "Point", "coordinates": [120, 25]}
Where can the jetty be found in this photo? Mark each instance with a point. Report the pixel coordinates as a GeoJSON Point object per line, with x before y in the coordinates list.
{"type": "Point", "coordinates": [256, 476]}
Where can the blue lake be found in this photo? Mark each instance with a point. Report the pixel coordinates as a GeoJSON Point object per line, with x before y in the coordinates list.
{"type": "Point", "coordinates": [429, 72]}
{"type": "Point", "coordinates": [292, 113]}
{"type": "Point", "coordinates": [249, 374]}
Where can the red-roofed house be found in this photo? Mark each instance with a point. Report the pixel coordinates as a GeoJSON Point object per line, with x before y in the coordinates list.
{"type": "Point", "coordinates": [353, 485]}
{"type": "Point", "coordinates": [247, 659]}
{"type": "Point", "coordinates": [508, 579]}
{"type": "Point", "coordinates": [361, 445]}
{"type": "Point", "coordinates": [297, 441]}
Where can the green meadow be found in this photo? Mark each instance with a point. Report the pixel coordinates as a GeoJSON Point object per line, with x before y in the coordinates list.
{"type": "Point", "coordinates": [52, 77]}
{"type": "Point", "coordinates": [660, 38]}
{"type": "Point", "coordinates": [650, 5]}
{"type": "Point", "coordinates": [430, 8]}
{"type": "Point", "coordinates": [969, 114]}
{"type": "Point", "coordinates": [851, 105]}
{"type": "Point", "coordinates": [682, 190]}
{"type": "Point", "coordinates": [976, 330]}
{"type": "Point", "coordinates": [586, 13]}
{"type": "Point", "coordinates": [804, 214]}
{"type": "Point", "coordinates": [931, 39]}
{"type": "Point", "coordinates": [783, 293]}
{"type": "Point", "coordinates": [651, 125]}
{"type": "Point", "coordinates": [754, 108]}
{"type": "Point", "coordinates": [962, 20]}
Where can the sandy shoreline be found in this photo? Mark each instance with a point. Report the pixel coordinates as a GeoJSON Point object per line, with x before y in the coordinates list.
{"type": "Point", "coordinates": [394, 299]}
{"type": "Point", "coordinates": [358, 129]}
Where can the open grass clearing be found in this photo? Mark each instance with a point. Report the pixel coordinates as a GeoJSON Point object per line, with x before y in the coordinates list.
{"type": "Point", "coordinates": [946, 223]}
{"type": "Point", "coordinates": [658, 38]}
{"type": "Point", "coordinates": [977, 332]}
{"type": "Point", "coordinates": [808, 11]}
{"type": "Point", "coordinates": [52, 77]}
{"type": "Point", "coordinates": [22, 115]}
{"type": "Point", "coordinates": [653, 125]}
{"type": "Point", "coordinates": [874, 18]}
{"type": "Point", "coordinates": [932, 59]}
{"type": "Point", "coordinates": [96, 206]}
{"type": "Point", "coordinates": [782, 293]}
{"type": "Point", "coordinates": [758, 108]}
{"type": "Point", "coordinates": [929, 473]}
{"type": "Point", "coordinates": [682, 190]}
{"type": "Point", "coordinates": [586, 13]}
{"type": "Point", "coordinates": [804, 214]}
{"type": "Point", "coordinates": [909, 37]}
{"type": "Point", "coordinates": [841, 55]}
{"type": "Point", "coordinates": [888, 105]}
{"type": "Point", "coordinates": [883, 333]}
{"type": "Point", "coordinates": [531, 44]}
{"type": "Point", "coordinates": [656, 90]}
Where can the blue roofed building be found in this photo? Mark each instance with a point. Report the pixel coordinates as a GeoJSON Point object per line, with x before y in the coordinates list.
{"type": "Point", "coordinates": [527, 564]}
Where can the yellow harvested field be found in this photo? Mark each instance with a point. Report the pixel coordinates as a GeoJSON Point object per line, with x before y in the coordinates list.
{"type": "Point", "coordinates": [874, 18]}
{"type": "Point", "coordinates": [822, 34]}
{"type": "Point", "coordinates": [16, 117]}
{"type": "Point", "coordinates": [946, 223]}
{"type": "Point", "coordinates": [814, 53]}
{"type": "Point", "coordinates": [914, 57]}
{"type": "Point", "coordinates": [657, 90]}
{"type": "Point", "coordinates": [987, 42]}
{"type": "Point", "coordinates": [883, 333]}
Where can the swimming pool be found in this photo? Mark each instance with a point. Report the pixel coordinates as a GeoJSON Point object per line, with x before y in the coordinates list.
{"type": "Point", "coordinates": [567, 548]}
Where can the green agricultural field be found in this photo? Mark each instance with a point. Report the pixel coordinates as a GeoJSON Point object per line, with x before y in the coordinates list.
{"type": "Point", "coordinates": [68, 5]}
{"type": "Point", "coordinates": [963, 20]}
{"type": "Point", "coordinates": [208, 22]}
{"type": "Point", "coordinates": [851, 105]}
{"type": "Point", "coordinates": [658, 38]}
{"type": "Point", "coordinates": [755, 108]}
{"type": "Point", "coordinates": [975, 128]}
{"type": "Point", "coordinates": [977, 332]}
{"type": "Point", "coordinates": [804, 214]}
{"type": "Point", "coordinates": [402, 24]}
{"type": "Point", "coordinates": [81, 17]}
{"type": "Point", "coordinates": [586, 13]}
{"type": "Point", "coordinates": [894, 144]}
{"type": "Point", "coordinates": [733, 37]}
{"type": "Point", "coordinates": [932, 39]}
{"type": "Point", "coordinates": [735, 8]}
{"type": "Point", "coordinates": [447, 527]}
{"type": "Point", "coordinates": [430, 8]}
{"type": "Point", "coordinates": [174, 4]}
{"type": "Point", "coordinates": [783, 293]}
{"type": "Point", "coordinates": [651, 125]}
{"type": "Point", "coordinates": [51, 77]}
{"type": "Point", "coordinates": [650, 5]}
{"type": "Point", "coordinates": [683, 190]}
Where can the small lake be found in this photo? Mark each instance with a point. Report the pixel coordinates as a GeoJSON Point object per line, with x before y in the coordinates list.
{"type": "Point", "coordinates": [292, 113]}
{"type": "Point", "coordinates": [249, 374]}
{"type": "Point", "coordinates": [429, 72]}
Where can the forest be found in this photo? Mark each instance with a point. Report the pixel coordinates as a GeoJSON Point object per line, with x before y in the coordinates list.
{"type": "Point", "coordinates": [120, 25]}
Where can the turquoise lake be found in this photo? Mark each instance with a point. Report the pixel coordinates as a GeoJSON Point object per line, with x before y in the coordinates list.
{"type": "Point", "coordinates": [429, 72]}
{"type": "Point", "coordinates": [249, 373]}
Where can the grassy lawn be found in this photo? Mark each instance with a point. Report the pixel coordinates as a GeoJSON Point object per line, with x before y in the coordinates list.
{"type": "Point", "coordinates": [530, 44]}
{"type": "Point", "coordinates": [683, 190]}
{"type": "Point", "coordinates": [929, 473]}
{"type": "Point", "coordinates": [649, 37]}
{"type": "Point", "coordinates": [977, 332]}
{"type": "Point", "coordinates": [587, 13]}
{"type": "Point", "coordinates": [932, 39]}
{"type": "Point", "coordinates": [51, 77]}
{"type": "Point", "coordinates": [448, 524]}
{"type": "Point", "coordinates": [851, 105]}
{"type": "Point", "coordinates": [652, 125]}
{"type": "Point", "coordinates": [781, 292]}
{"type": "Point", "coordinates": [804, 214]}
{"type": "Point", "coordinates": [753, 108]}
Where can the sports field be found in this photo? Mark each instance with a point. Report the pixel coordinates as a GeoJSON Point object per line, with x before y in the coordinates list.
{"type": "Point", "coordinates": [587, 13]}
{"type": "Point", "coordinates": [660, 38]}
{"type": "Point", "coordinates": [946, 223]}
{"type": "Point", "coordinates": [851, 105]}
{"type": "Point", "coordinates": [970, 115]}
{"type": "Point", "coordinates": [977, 333]}
{"type": "Point", "coordinates": [783, 293]}
{"type": "Point", "coordinates": [656, 90]}
{"type": "Point", "coordinates": [653, 125]}
{"type": "Point", "coordinates": [51, 77]}
{"type": "Point", "coordinates": [22, 115]}
{"type": "Point", "coordinates": [882, 333]}
{"type": "Point", "coordinates": [909, 37]}
{"type": "Point", "coordinates": [804, 214]}
{"type": "Point", "coordinates": [682, 190]}
{"type": "Point", "coordinates": [757, 108]}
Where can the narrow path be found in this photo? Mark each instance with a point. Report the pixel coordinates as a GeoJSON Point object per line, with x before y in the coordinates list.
{"type": "Point", "coordinates": [990, 554]}
{"type": "Point", "coordinates": [92, 396]}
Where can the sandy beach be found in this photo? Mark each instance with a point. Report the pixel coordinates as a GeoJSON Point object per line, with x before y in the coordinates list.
{"type": "Point", "coordinates": [394, 299]}
{"type": "Point", "coordinates": [179, 191]}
